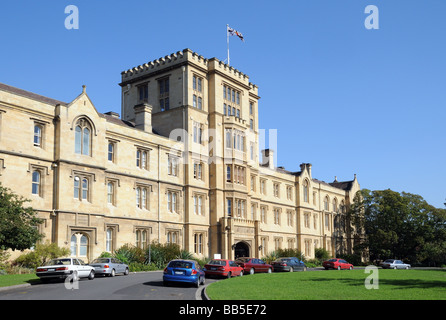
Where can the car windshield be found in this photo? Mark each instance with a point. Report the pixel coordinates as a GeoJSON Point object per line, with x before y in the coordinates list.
{"type": "Point", "coordinates": [243, 259]}
{"type": "Point", "coordinates": [181, 264]}
{"type": "Point", "coordinates": [101, 260]}
{"type": "Point", "coordinates": [283, 260]}
{"type": "Point", "coordinates": [389, 260]}
{"type": "Point", "coordinates": [55, 262]}
{"type": "Point", "coordinates": [333, 260]}
{"type": "Point", "coordinates": [218, 262]}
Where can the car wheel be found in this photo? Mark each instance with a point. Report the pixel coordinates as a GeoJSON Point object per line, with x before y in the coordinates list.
{"type": "Point", "coordinates": [269, 270]}
{"type": "Point", "coordinates": [203, 281]}
{"type": "Point", "coordinates": [229, 275]}
{"type": "Point", "coordinates": [339, 267]}
{"type": "Point", "coordinates": [350, 268]}
{"type": "Point", "coordinates": [241, 274]}
{"type": "Point", "coordinates": [126, 272]}
{"type": "Point", "coordinates": [91, 275]}
{"type": "Point", "coordinates": [197, 284]}
{"type": "Point", "coordinates": [74, 276]}
{"type": "Point", "coordinates": [112, 273]}
{"type": "Point", "coordinates": [305, 268]}
{"type": "Point", "coordinates": [394, 268]}
{"type": "Point", "coordinates": [251, 271]}
{"type": "Point", "coordinates": [291, 269]}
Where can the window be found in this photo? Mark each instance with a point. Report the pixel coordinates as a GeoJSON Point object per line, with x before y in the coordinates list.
{"type": "Point", "coordinates": [251, 124]}
{"type": "Point", "coordinates": [111, 151]}
{"type": "Point", "coordinates": [81, 188]}
{"type": "Point", "coordinates": [326, 203]}
{"type": "Point", "coordinates": [263, 187]}
{"type": "Point", "coordinates": [315, 217]}
{"type": "Point", "coordinates": [197, 83]}
{"type": "Point", "coordinates": [142, 239]}
{"type": "Point", "coordinates": [199, 205]}
{"type": "Point", "coordinates": [277, 242]}
{"type": "Point", "coordinates": [82, 134]}
{"type": "Point", "coordinates": [143, 93]}
{"type": "Point", "coordinates": [38, 129]}
{"type": "Point", "coordinates": [307, 220]}
{"type": "Point", "coordinates": [164, 94]}
{"type": "Point", "coordinates": [253, 211]}
{"type": "Point", "coordinates": [172, 237]}
{"type": "Point", "coordinates": [142, 157]}
{"type": "Point", "coordinates": [198, 243]}
{"type": "Point", "coordinates": [239, 208]}
{"type": "Point", "coordinates": [306, 196]}
{"type": "Point", "coordinates": [198, 170]}
{"type": "Point", "coordinates": [253, 183]}
{"type": "Point", "coordinates": [229, 207]}
{"type": "Point", "coordinates": [327, 222]}
{"type": "Point", "coordinates": [79, 245]}
{"type": "Point", "coordinates": [172, 166]}
{"type": "Point", "coordinates": [289, 193]}
{"type": "Point", "coordinates": [290, 218]}
{"type": "Point", "coordinates": [110, 193]}
{"type": "Point", "coordinates": [228, 138]}
{"type": "Point", "coordinates": [277, 216]}
{"type": "Point", "coordinates": [276, 189]}
{"type": "Point", "coordinates": [251, 108]}
{"type": "Point", "coordinates": [263, 214]}
{"type": "Point", "coordinates": [172, 202]}
{"type": "Point", "coordinates": [198, 132]}
{"type": "Point", "coordinates": [335, 205]}
{"type": "Point", "coordinates": [36, 183]}
{"type": "Point", "coordinates": [228, 174]}
{"type": "Point", "coordinates": [109, 240]}
{"type": "Point", "coordinates": [142, 197]}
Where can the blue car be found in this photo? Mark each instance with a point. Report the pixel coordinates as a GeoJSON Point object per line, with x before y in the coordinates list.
{"type": "Point", "coordinates": [186, 271]}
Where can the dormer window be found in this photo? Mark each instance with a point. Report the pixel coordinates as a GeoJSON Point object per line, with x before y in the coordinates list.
{"type": "Point", "coordinates": [82, 134]}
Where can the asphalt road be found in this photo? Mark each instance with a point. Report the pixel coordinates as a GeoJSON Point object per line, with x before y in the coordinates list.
{"type": "Point", "coordinates": [135, 286]}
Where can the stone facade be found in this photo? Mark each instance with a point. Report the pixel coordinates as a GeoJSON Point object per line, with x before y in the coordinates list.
{"type": "Point", "coordinates": [181, 165]}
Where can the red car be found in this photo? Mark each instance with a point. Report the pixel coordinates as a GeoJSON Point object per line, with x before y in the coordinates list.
{"type": "Point", "coordinates": [337, 264]}
{"type": "Point", "coordinates": [253, 265]}
{"type": "Point", "coordinates": [221, 267]}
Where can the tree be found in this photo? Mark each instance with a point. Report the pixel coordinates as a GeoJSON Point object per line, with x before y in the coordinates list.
{"type": "Point", "coordinates": [402, 225]}
{"type": "Point", "coordinates": [18, 224]}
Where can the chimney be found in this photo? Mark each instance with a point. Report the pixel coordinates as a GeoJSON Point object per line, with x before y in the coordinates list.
{"type": "Point", "coordinates": [268, 158]}
{"type": "Point", "coordinates": [306, 166]}
{"type": "Point", "coordinates": [112, 114]}
{"type": "Point", "coordinates": [143, 117]}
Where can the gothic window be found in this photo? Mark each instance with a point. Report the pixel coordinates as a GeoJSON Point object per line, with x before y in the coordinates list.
{"type": "Point", "coordinates": [82, 133]}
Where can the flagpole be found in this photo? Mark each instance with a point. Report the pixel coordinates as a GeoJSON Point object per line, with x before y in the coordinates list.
{"type": "Point", "coordinates": [227, 40]}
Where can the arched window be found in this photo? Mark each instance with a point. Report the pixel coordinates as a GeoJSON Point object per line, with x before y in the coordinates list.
{"type": "Point", "coordinates": [326, 203]}
{"type": "Point", "coordinates": [335, 205]}
{"type": "Point", "coordinates": [82, 137]}
{"type": "Point", "coordinates": [36, 183]}
{"type": "Point", "coordinates": [79, 245]}
{"type": "Point", "coordinates": [109, 240]}
{"type": "Point", "coordinates": [306, 190]}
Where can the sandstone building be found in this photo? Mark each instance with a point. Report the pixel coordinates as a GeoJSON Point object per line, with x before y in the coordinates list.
{"type": "Point", "coordinates": [182, 164]}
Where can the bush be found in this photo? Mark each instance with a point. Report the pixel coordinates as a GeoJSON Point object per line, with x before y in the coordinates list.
{"type": "Point", "coordinates": [321, 254]}
{"type": "Point", "coordinates": [40, 255]}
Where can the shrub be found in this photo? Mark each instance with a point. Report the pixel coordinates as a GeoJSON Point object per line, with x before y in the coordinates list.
{"type": "Point", "coordinates": [321, 254]}
{"type": "Point", "coordinates": [40, 255]}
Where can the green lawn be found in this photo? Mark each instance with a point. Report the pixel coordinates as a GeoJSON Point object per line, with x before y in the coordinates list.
{"type": "Point", "coordinates": [15, 279]}
{"type": "Point", "coordinates": [333, 285]}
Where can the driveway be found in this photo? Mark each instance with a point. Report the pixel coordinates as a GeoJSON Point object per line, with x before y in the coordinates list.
{"type": "Point", "coordinates": [135, 286]}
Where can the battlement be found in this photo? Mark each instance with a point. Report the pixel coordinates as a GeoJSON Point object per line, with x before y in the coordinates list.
{"type": "Point", "coordinates": [182, 57]}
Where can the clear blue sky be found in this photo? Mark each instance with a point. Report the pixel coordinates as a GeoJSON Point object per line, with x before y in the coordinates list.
{"type": "Point", "coordinates": [346, 99]}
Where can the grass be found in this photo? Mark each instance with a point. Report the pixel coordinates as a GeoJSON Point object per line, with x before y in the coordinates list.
{"type": "Point", "coordinates": [333, 285]}
{"type": "Point", "coordinates": [15, 279]}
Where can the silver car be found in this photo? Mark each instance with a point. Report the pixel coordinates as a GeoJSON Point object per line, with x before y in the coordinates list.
{"type": "Point", "coordinates": [394, 264]}
{"type": "Point", "coordinates": [109, 266]}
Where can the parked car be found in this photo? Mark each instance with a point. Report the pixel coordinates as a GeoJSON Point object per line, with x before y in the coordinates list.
{"type": "Point", "coordinates": [253, 265]}
{"type": "Point", "coordinates": [337, 264]}
{"type": "Point", "coordinates": [187, 271]}
{"type": "Point", "coordinates": [288, 264]}
{"type": "Point", "coordinates": [109, 266]}
{"type": "Point", "coordinates": [224, 268]}
{"type": "Point", "coordinates": [394, 264]}
{"type": "Point", "coordinates": [62, 268]}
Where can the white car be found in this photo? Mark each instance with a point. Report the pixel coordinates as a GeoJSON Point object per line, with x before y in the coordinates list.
{"type": "Point", "coordinates": [394, 264]}
{"type": "Point", "coordinates": [62, 268]}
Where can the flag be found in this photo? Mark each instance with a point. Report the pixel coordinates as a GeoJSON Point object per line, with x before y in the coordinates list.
{"type": "Point", "coordinates": [233, 32]}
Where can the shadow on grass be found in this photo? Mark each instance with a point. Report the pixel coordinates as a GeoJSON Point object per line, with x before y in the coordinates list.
{"type": "Point", "coordinates": [394, 283]}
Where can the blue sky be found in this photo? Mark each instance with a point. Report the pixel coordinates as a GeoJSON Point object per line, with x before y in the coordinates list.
{"type": "Point", "coordinates": [347, 99]}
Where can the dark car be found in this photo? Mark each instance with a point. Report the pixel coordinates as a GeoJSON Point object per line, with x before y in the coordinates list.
{"type": "Point", "coordinates": [253, 265]}
{"type": "Point", "coordinates": [288, 264]}
{"type": "Point", "coordinates": [337, 264]}
{"type": "Point", "coordinates": [186, 271]}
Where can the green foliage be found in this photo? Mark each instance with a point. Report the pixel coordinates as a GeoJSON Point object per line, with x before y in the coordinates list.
{"type": "Point", "coordinates": [17, 223]}
{"type": "Point", "coordinates": [41, 254]}
{"type": "Point", "coordinates": [283, 253]}
{"type": "Point", "coordinates": [401, 225]}
{"type": "Point", "coordinates": [321, 254]}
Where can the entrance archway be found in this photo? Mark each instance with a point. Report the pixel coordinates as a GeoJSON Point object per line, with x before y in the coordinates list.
{"type": "Point", "coordinates": [241, 250]}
